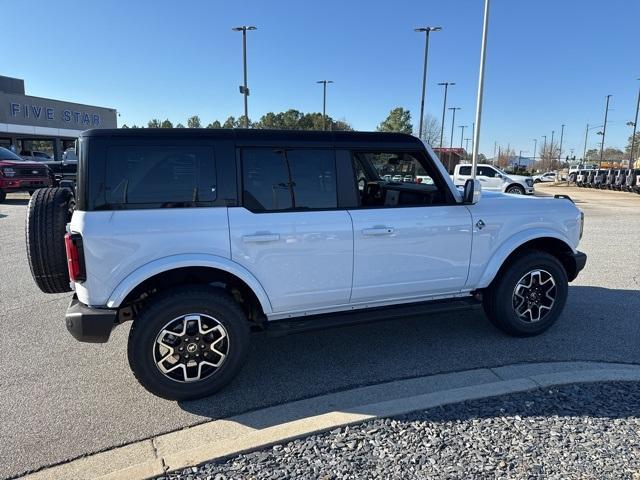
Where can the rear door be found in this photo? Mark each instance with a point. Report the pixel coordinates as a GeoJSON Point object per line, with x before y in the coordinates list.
{"type": "Point", "coordinates": [490, 178]}
{"type": "Point", "coordinates": [289, 232]}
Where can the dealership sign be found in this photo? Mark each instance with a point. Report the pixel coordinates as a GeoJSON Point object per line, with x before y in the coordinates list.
{"type": "Point", "coordinates": [44, 112]}
{"type": "Point", "coordinates": [49, 113]}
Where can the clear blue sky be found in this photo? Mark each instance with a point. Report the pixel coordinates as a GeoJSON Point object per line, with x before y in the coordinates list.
{"type": "Point", "coordinates": [549, 62]}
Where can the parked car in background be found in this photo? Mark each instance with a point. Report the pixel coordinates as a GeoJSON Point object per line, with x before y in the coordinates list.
{"type": "Point", "coordinates": [621, 179]}
{"type": "Point", "coordinates": [36, 156]}
{"type": "Point", "coordinates": [200, 236]}
{"type": "Point", "coordinates": [581, 176]}
{"type": "Point", "coordinates": [20, 175]}
{"type": "Point", "coordinates": [599, 178]}
{"type": "Point", "coordinates": [545, 177]}
{"type": "Point", "coordinates": [64, 169]}
{"type": "Point", "coordinates": [494, 180]}
{"type": "Point", "coordinates": [407, 178]}
{"type": "Point", "coordinates": [575, 169]}
{"type": "Point", "coordinates": [632, 178]}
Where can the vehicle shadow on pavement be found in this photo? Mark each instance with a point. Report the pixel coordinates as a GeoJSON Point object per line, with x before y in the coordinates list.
{"type": "Point", "coordinates": [598, 324]}
{"type": "Point", "coordinates": [15, 201]}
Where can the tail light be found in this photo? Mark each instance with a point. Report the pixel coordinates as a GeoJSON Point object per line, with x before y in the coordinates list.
{"type": "Point", "coordinates": [418, 180]}
{"type": "Point", "coordinates": [75, 257]}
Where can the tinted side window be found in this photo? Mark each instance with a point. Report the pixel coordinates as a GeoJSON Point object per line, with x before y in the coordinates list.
{"type": "Point", "coordinates": [160, 176]}
{"type": "Point", "coordinates": [465, 170]}
{"type": "Point", "coordinates": [486, 172]}
{"type": "Point", "coordinates": [265, 180]}
{"type": "Point", "coordinates": [313, 173]}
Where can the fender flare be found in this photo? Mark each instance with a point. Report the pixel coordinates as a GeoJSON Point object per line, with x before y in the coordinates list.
{"type": "Point", "coordinates": [510, 245]}
{"type": "Point", "coordinates": [172, 262]}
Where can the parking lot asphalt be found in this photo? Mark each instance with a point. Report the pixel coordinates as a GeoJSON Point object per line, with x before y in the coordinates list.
{"type": "Point", "coordinates": [62, 399]}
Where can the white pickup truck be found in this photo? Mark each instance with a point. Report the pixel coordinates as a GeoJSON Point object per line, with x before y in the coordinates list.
{"type": "Point", "coordinates": [201, 236]}
{"type": "Point", "coordinates": [493, 179]}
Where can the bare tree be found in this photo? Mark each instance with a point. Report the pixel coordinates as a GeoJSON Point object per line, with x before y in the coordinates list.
{"type": "Point", "coordinates": [431, 130]}
{"type": "Point", "coordinates": [505, 157]}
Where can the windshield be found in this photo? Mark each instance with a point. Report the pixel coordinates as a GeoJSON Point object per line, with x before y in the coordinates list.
{"type": "Point", "coordinates": [6, 154]}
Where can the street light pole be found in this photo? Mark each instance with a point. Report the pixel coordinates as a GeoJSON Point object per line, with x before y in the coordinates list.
{"type": "Point", "coordinates": [604, 129]}
{"type": "Point", "coordinates": [427, 31]}
{"type": "Point", "coordinates": [324, 101]}
{"type": "Point", "coordinates": [535, 149]}
{"type": "Point", "coordinates": [466, 145]}
{"type": "Point", "coordinates": [462, 127]}
{"type": "Point", "coordinates": [476, 127]}
{"type": "Point", "coordinates": [633, 136]}
{"type": "Point", "coordinates": [244, 89]}
{"type": "Point", "coordinates": [561, 138]}
{"type": "Point", "coordinates": [444, 109]}
{"type": "Point", "coordinates": [453, 122]}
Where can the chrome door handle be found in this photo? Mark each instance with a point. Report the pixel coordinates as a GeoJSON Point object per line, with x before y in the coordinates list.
{"type": "Point", "coordinates": [378, 231]}
{"type": "Point", "coordinates": [261, 238]}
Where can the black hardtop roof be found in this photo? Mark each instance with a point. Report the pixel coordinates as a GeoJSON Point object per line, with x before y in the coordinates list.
{"type": "Point", "coordinates": [252, 135]}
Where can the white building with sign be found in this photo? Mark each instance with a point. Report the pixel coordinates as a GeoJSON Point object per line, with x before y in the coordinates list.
{"type": "Point", "coordinates": [34, 123]}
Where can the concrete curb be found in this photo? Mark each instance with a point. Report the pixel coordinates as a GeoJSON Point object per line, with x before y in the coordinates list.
{"type": "Point", "coordinates": [223, 438]}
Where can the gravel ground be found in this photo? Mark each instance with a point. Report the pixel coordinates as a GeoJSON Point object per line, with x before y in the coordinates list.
{"type": "Point", "coordinates": [573, 431]}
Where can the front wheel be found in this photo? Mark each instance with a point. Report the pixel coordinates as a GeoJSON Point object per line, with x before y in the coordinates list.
{"type": "Point", "coordinates": [527, 297]}
{"type": "Point", "coordinates": [189, 343]}
{"type": "Point", "coordinates": [515, 190]}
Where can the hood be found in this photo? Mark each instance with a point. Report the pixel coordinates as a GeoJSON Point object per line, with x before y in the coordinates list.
{"type": "Point", "coordinates": [26, 163]}
{"type": "Point", "coordinates": [517, 177]}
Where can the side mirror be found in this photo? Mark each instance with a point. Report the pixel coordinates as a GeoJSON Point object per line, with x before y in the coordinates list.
{"type": "Point", "coordinates": [472, 190]}
{"type": "Point", "coordinates": [498, 175]}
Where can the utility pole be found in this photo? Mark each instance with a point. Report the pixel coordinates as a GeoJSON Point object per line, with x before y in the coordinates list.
{"type": "Point", "coordinates": [586, 136]}
{"type": "Point", "coordinates": [427, 31]}
{"type": "Point", "coordinates": [633, 136]}
{"type": "Point", "coordinates": [466, 145]}
{"type": "Point", "coordinates": [561, 138]}
{"type": "Point", "coordinates": [604, 128]}
{"type": "Point", "coordinates": [535, 148]}
{"type": "Point", "coordinates": [324, 101]}
{"type": "Point", "coordinates": [483, 55]}
{"type": "Point", "coordinates": [444, 109]}
{"type": "Point", "coordinates": [244, 89]}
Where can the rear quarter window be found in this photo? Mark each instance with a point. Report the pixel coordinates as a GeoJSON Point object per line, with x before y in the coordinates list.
{"type": "Point", "coordinates": [160, 176]}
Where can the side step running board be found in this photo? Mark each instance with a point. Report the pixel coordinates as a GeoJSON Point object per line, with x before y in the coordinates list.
{"type": "Point", "coordinates": [277, 328]}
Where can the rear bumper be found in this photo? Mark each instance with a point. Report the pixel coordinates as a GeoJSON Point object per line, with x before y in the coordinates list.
{"type": "Point", "coordinates": [578, 261]}
{"type": "Point", "coordinates": [88, 324]}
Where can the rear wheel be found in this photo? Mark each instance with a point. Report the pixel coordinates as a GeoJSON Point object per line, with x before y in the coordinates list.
{"type": "Point", "coordinates": [48, 213]}
{"type": "Point", "coordinates": [528, 295]}
{"type": "Point", "coordinates": [515, 190]}
{"type": "Point", "coordinates": [189, 343]}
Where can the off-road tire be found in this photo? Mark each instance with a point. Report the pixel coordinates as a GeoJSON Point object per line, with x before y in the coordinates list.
{"type": "Point", "coordinates": [48, 213]}
{"type": "Point", "coordinates": [172, 304]}
{"type": "Point", "coordinates": [498, 297]}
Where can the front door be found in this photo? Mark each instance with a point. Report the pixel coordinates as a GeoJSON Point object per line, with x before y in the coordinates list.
{"type": "Point", "coordinates": [490, 178]}
{"type": "Point", "coordinates": [289, 233]}
{"type": "Point", "coordinates": [402, 249]}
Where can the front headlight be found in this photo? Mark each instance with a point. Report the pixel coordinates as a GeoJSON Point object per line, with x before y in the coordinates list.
{"type": "Point", "coordinates": [8, 171]}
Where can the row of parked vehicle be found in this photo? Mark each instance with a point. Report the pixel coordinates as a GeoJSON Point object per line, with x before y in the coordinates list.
{"type": "Point", "coordinates": [625, 179]}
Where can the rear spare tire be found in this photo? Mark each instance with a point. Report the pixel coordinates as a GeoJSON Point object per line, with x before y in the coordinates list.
{"type": "Point", "coordinates": [48, 213]}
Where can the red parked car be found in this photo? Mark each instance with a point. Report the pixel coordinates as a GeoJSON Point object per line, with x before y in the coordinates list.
{"type": "Point", "coordinates": [19, 175]}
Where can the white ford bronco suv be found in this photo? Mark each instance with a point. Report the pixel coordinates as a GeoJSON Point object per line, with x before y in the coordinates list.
{"type": "Point", "coordinates": [201, 236]}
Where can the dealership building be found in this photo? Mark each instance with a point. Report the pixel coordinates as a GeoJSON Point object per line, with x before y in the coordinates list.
{"type": "Point", "coordinates": [36, 123]}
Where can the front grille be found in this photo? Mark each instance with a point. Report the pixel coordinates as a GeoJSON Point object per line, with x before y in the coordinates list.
{"type": "Point", "coordinates": [30, 172]}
